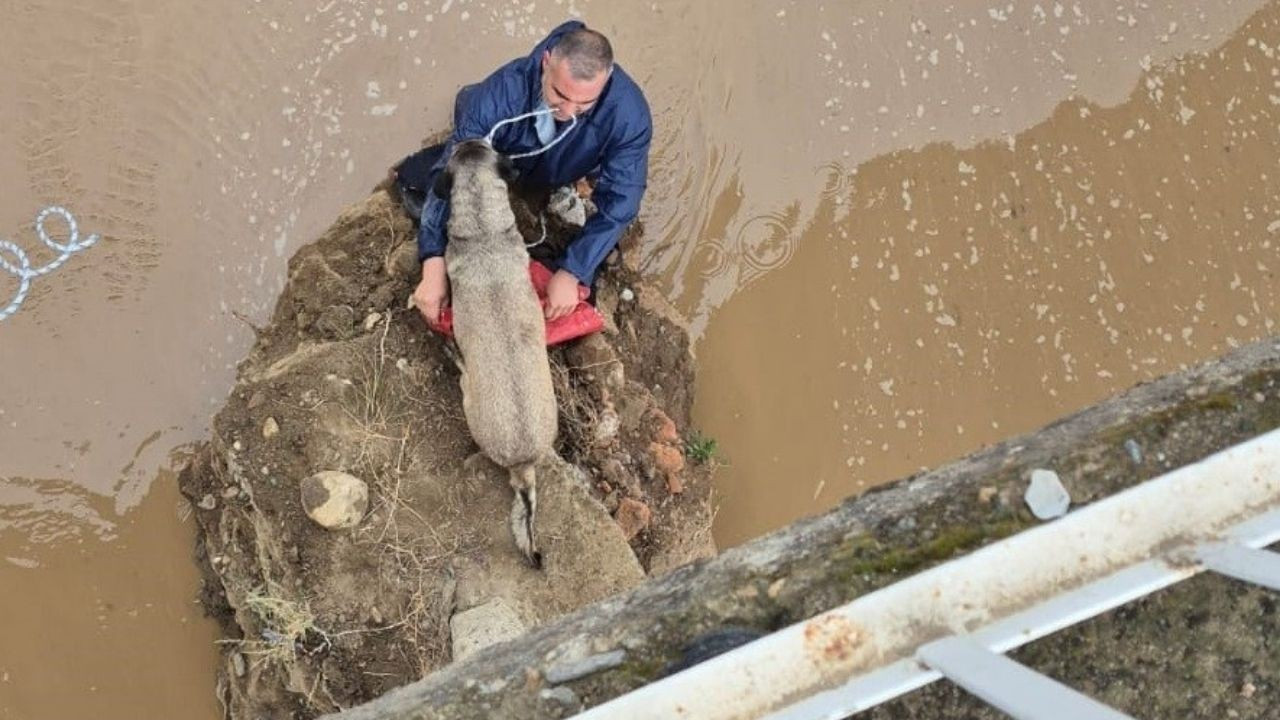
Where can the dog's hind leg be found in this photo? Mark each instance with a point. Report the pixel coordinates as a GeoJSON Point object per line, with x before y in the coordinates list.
{"type": "Point", "coordinates": [524, 512]}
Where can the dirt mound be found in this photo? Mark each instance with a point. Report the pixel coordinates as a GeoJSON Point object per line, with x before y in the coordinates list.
{"type": "Point", "coordinates": [345, 378]}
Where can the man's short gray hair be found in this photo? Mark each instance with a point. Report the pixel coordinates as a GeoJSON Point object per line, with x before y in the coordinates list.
{"type": "Point", "coordinates": [588, 52]}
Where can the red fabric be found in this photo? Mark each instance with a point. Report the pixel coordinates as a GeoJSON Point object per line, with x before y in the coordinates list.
{"type": "Point", "coordinates": [584, 319]}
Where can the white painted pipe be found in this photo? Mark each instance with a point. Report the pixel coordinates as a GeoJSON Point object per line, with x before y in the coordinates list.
{"type": "Point", "coordinates": [882, 630]}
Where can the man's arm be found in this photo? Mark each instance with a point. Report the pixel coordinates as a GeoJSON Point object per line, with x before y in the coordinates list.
{"type": "Point", "coordinates": [623, 178]}
{"type": "Point", "coordinates": [477, 108]}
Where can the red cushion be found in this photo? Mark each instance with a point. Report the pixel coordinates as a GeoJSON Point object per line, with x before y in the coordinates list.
{"type": "Point", "coordinates": [584, 319]}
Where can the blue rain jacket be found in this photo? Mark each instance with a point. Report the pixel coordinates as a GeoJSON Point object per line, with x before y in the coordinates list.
{"type": "Point", "coordinates": [611, 139]}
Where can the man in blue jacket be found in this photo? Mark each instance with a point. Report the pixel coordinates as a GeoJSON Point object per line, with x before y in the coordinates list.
{"type": "Point", "coordinates": [599, 124]}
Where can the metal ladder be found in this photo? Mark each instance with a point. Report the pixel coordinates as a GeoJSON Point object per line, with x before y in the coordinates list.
{"type": "Point", "coordinates": [895, 640]}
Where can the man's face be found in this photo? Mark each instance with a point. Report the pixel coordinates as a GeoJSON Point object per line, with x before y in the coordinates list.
{"type": "Point", "coordinates": [565, 94]}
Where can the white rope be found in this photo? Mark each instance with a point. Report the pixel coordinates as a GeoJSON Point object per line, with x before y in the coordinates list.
{"type": "Point", "coordinates": [572, 124]}
{"type": "Point", "coordinates": [23, 270]}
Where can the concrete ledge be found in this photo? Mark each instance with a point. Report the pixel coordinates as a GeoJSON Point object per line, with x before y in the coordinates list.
{"type": "Point", "coordinates": [867, 542]}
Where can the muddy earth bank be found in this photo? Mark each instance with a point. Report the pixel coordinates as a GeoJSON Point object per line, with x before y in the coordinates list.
{"type": "Point", "coordinates": [347, 378]}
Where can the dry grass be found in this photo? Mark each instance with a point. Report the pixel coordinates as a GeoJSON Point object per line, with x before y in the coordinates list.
{"type": "Point", "coordinates": [287, 627]}
{"type": "Point", "coordinates": [579, 412]}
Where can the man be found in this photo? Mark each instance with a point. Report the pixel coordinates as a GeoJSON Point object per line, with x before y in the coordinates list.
{"type": "Point", "coordinates": [599, 124]}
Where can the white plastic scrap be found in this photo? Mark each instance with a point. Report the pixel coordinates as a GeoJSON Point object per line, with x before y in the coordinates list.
{"type": "Point", "coordinates": [1046, 496]}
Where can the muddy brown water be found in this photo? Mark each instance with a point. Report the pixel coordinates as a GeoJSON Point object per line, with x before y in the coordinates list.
{"type": "Point", "coordinates": [900, 231]}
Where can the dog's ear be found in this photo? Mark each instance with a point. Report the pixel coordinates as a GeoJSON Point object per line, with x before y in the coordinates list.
{"type": "Point", "coordinates": [506, 169]}
{"type": "Point", "coordinates": [443, 186]}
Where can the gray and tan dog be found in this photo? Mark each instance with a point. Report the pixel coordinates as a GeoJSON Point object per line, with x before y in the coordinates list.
{"type": "Point", "coordinates": [507, 395]}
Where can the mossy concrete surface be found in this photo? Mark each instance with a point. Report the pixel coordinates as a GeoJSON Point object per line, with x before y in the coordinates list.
{"type": "Point", "coordinates": [1209, 648]}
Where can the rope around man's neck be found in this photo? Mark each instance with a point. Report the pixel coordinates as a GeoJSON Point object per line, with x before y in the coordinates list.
{"type": "Point", "coordinates": [572, 124]}
{"type": "Point", "coordinates": [23, 269]}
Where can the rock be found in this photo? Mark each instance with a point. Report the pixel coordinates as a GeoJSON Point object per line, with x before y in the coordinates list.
{"type": "Point", "coordinates": [479, 627]}
{"type": "Point", "coordinates": [565, 204]}
{"type": "Point", "coordinates": [230, 491]}
{"type": "Point", "coordinates": [402, 262]}
{"type": "Point", "coordinates": [627, 295]}
{"type": "Point", "coordinates": [1135, 451]}
{"type": "Point", "coordinates": [237, 664]}
{"type": "Point", "coordinates": [1247, 690]}
{"type": "Point", "coordinates": [632, 516]}
{"type": "Point", "coordinates": [561, 695]}
{"type": "Point", "coordinates": [987, 494]}
{"type": "Point", "coordinates": [566, 671]}
{"type": "Point", "coordinates": [670, 462]}
{"type": "Point", "coordinates": [617, 475]}
{"type": "Point", "coordinates": [664, 430]}
{"type": "Point", "coordinates": [337, 322]}
{"type": "Point", "coordinates": [270, 428]}
{"type": "Point", "coordinates": [596, 357]}
{"type": "Point", "coordinates": [208, 502]}
{"type": "Point", "coordinates": [371, 321]}
{"type": "Point", "coordinates": [335, 500]}
{"type": "Point", "coordinates": [1046, 496]}
{"type": "Point", "coordinates": [607, 426]}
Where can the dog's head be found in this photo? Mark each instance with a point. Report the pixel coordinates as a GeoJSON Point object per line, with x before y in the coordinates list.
{"type": "Point", "coordinates": [472, 156]}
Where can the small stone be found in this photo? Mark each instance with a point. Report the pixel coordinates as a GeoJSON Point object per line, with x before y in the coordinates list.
{"type": "Point", "coordinates": [237, 446]}
{"type": "Point", "coordinates": [230, 491]}
{"type": "Point", "coordinates": [337, 322]}
{"type": "Point", "coordinates": [1046, 496]}
{"type": "Point", "coordinates": [402, 262]}
{"type": "Point", "coordinates": [371, 321]}
{"type": "Point", "coordinates": [1247, 690]}
{"type": "Point", "coordinates": [607, 426]}
{"type": "Point", "coordinates": [670, 462]}
{"type": "Point", "coordinates": [567, 671]}
{"type": "Point", "coordinates": [479, 627]}
{"type": "Point", "coordinates": [775, 587]}
{"type": "Point", "coordinates": [335, 500]}
{"type": "Point", "coordinates": [561, 695]}
{"type": "Point", "coordinates": [208, 502]}
{"type": "Point", "coordinates": [402, 364]}
{"type": "Point", "coordinates": [664, 428]}
{"type": "Point", "coordinates": [375, 615]}
{"type": "Point", "coordinates": [987, 494]}
{"type": "Point", "coordinates": [1134, 450]}
{"type": "Point", "coordinates": [270, 428]}
{"type": "Point", "coordinates": [627, 295]}
{"type": "Point", "coordinates": [237, 664]}
{"type": "Point", "coordinates": [1259, 397]}
{"type": "Point", "coordinates": [633, 516]}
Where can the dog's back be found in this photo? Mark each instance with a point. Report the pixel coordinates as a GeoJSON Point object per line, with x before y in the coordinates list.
{"type": "Point", "coordinates": [507, 394]}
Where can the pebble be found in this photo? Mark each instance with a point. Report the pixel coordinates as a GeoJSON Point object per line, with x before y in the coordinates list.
{"type": "Point", "coordinates": [237, 664]}
{"type": "Point", "coordinates": [270, 428]}
{"type": "Point", "coordinates": [564, 672]}
{"type": "Point", "coordinates": [371, 320]}
{"type": "Point", "coordinates": [1046, 496]}
{"type": "Point", "coordinates": [627, 295]}
{"type": "Point", "coordinates": [1135, 451]}
{"type": "Point", "coordinates": [632, 516]}
{"type": "Point", "coordinates": [561, 695]}
{"type": "Point", "coordinates": [237, 446]}
{"type": "Point", "coordinates": [208, 502]}
{"type": "Point", "coordinates": [230, 491]}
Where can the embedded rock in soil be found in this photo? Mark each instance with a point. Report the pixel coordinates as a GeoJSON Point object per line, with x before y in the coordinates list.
{"type": "Point", "coordinates": [335, 500]}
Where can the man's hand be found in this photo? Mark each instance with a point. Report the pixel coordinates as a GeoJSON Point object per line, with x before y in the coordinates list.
{"type": "Point", "coordinates": [432, 293]}
{"type": "Point", "coordinates": [562, 294]}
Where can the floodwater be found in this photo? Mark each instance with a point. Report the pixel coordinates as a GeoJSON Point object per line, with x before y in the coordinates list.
{"type": "Point", "coordinates": [900, 231]}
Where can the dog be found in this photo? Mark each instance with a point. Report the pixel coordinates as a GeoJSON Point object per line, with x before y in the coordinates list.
{"type": "Point", "coordinates": [507, 394]}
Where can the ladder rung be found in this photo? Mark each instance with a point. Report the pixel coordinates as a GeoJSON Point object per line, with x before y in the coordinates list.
{"type": "Point", "coordinates": [1008, 686]}
{"type": "Point", "coordinates": [1261, 567]}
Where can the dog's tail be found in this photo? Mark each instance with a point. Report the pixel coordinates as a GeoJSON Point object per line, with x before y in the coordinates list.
{"type": "Point", "coordinates": [524, 511]}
